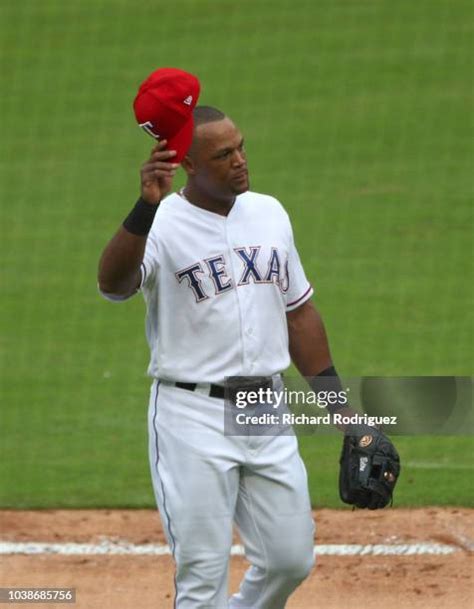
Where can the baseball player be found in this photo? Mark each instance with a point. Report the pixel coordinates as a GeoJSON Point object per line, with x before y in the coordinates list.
{"type": "Point", "coordinates": [226, 296]}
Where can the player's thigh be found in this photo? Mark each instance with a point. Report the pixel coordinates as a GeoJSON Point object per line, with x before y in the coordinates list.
{"type": "Point", "coordinates": [276, 479]}
{"type": "Point", "coordinates": [195, 476]}
{"type": "Point", "coordinates": [273, 507]}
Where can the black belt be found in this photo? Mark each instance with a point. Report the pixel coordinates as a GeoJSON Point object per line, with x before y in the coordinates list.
{"type": "Point", "coordinates": [215, 391]}
{"type": "Point", "coordinates": [233, 385]}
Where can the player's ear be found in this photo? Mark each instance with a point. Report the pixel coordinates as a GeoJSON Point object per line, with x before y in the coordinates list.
{"type": "Point", "coordinates": [188, 165]}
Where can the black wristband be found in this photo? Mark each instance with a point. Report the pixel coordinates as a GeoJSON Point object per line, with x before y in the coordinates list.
{"type": "Point", "coordinates": [331, 371]}
{"type": "Point", "coordinates": [140, 219]}
{"type": "Point", "coordinates": [329, 381]}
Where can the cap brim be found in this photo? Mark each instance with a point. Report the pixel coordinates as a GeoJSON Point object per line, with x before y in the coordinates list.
{"type": "Point", "coordinates": [181, 141]}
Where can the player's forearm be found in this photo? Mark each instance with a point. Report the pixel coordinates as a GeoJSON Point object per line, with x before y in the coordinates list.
{"type": "Point", "coordinates": [309, 350]}
{"type": "Point", "coordinates": [308, 343]}
{"type": "Point", "coordinates": [119, 266]}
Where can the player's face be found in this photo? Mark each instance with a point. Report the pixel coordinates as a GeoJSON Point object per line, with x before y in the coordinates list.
{"type": "Point", "coordinates": [219, 160]}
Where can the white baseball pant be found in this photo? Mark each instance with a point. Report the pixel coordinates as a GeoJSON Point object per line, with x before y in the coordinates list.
{"type": "Point", "coordinates": [204, 481]}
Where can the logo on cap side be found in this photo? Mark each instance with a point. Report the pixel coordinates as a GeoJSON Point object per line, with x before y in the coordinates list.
{"type": "Point", "coordinates": [188, 101]}
{"type": "Point", "coordinates": [148, 127]}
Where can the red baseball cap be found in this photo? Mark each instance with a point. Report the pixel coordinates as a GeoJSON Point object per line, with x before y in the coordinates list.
{"type": "Point", "coordinates": [164, 108]}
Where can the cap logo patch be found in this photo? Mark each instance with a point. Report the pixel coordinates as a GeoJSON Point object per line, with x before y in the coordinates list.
{"type": "Point", "coordinates": [188, 101]}
{"type": "Point", "coordinates": [148, 127]}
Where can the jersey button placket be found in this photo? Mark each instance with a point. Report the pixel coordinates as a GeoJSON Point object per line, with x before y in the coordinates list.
{"type": "Point", "coordinates": [252, 346]}
{"type": "Point", "coordinates": [232, 237]}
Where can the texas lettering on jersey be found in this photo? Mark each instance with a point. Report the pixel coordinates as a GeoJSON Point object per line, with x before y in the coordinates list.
{"type": "Point", "coordinates": [252, 271]}
{"type": "Point", "coordinates": [217, 289]}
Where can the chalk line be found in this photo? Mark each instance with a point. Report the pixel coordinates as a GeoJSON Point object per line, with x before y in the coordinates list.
{"type": "Point", "coordinates": [107, 547]}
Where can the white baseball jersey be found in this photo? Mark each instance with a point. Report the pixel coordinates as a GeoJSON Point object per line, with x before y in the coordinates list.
{"type": "Point", "coordinates": [217, 289]}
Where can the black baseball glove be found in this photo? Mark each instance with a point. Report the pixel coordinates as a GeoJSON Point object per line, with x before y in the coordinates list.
{"type": "Point", "coordinates": [369, 468]}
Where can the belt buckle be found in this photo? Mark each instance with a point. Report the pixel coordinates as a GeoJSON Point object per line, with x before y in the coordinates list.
{"type": "Point", "coordinates": [239, 384]}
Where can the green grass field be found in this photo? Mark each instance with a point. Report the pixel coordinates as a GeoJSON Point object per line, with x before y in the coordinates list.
{"type": "Point", "coordinates": [357, 116]}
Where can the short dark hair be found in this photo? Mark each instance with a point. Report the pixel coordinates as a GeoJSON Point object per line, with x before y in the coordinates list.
{"type": "Point", "coordinates": [206, 114]}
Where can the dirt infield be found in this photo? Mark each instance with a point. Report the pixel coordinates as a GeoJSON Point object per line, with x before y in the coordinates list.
{"type": "Point", "coordinates": [146, 582]}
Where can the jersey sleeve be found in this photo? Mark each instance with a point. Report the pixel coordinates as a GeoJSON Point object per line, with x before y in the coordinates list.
{"type": "Point", "coordinates": [299, 289]}
{"type": "Point", "coordinates": [149, 265]}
